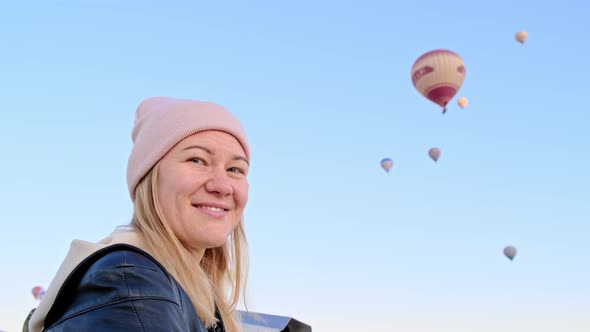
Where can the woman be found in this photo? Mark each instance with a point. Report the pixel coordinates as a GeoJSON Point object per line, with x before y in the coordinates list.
{"type": "Point", "coordinates": [181, 263]}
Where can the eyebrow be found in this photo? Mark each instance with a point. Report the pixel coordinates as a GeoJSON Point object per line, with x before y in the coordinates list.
{"type": "Point", "coordinates": [209, 151]}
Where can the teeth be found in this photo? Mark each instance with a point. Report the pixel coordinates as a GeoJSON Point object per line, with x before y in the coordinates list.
{"type": "Point", "coordinates": [212, 208]}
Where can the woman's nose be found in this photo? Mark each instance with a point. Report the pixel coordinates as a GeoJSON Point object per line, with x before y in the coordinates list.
{"type": "Point", "coordinates": [219, 183]}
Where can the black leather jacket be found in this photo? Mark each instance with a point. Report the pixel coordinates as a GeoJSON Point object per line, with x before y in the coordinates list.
{"type": "Point", "coordinates": [122, 288]}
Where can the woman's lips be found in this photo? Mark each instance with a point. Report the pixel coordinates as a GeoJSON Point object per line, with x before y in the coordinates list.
{"type": "Point", "coordinates": [213, 210]}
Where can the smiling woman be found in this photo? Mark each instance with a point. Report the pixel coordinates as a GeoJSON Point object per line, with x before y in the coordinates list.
{"type": "Point", "coordinates": [180, 264]}
{"type": "Point", "coordinates": [202, 189]}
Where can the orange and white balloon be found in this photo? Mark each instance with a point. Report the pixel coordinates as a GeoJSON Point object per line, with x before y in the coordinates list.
{"type": "Point", "coordinates": [521, 36]}
{"type": "Point", "coordinates": [462, 102]}
{"type": "Point", "coordinates": [438, 75]}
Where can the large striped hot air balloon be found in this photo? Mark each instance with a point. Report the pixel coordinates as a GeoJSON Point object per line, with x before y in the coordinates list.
{"type": "Point", "coordinates": [438, 75]}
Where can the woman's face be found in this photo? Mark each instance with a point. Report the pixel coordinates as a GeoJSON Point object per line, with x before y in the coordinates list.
{"type": "Point", "coordinates": [202, 188]}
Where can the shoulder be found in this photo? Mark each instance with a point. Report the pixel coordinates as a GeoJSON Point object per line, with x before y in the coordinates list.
{"type": "Point", "coordinates": [119, 276]}
{"type": "Point", "coordinates": [119, 259]}
{"type": "Point", "coordinates": [130, 272]}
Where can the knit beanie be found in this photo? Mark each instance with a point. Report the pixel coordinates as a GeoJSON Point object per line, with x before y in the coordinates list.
{"type": "Point", "coordinates": [162, 122]}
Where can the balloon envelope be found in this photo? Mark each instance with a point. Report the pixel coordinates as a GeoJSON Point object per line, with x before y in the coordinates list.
{"type": "Point", "coordinates": [38, 292]}
{"type": "Point", "coordinates": [387, 164]}
{"type": "Point", "coordinates": [434, 153]}
{"type": "Point", "coordinates": [510, 252]}
{"type": "Point", "coordinates": [521, 36]}
{"type": "Point", "coordinates": [462, 102]}
{"type": "Point", "coordinates": [438, 75]}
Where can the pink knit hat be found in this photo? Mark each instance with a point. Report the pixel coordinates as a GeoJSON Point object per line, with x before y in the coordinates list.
{"type": "Point", "coordinates": [162, 122]}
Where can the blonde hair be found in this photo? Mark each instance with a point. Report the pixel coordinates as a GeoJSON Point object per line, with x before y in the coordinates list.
{"type": "Point", "coordinates": [217, 280]}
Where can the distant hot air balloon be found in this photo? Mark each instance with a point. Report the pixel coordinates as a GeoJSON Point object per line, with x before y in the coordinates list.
{"type": "Point", "coordinates": [387, 164]}
{"type": "Point", "coordinates": [462, 102]}
{"type": "Point", "coordinates": [521, 36]}
{"type": "Point", "coordinates": [38, 292]}
{"type": "Point", "coordinates": [510, 252]}
{"type": "Point", "coordinates": [434, 153]}
{"type": "Point", "coordinates": [438, 75]}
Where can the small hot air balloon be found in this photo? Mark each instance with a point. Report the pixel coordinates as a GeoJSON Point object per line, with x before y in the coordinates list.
{"type": "Point", "coordinates": [38, 292]}
{"type": "Point", "coordinates": [438, 75]}
{"type": "Point", "coordinates": [387, 164]}
{"type": "Point", "coordinates": [521, 36]}
{"type": "Point", "coordinates": [434, 153]}
{"type": "Point", "coordinates": [462, 102]}
{"type": "Point", "coordinates": [510, 252]}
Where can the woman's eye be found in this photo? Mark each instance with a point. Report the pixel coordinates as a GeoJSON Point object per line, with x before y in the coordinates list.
{"type": "Point", "coordinates": [197, 160]}
{"type": "Point", "coordinates": [235, 170]}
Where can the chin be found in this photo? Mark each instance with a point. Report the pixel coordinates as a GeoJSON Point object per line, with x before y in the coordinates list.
{"type": "Point", "coordinates": [217, 242]}
{"type": "Point", "coordinates": [212, 246]}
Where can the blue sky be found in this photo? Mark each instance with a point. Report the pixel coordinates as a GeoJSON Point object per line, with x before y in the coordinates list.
{"type": "Point", "coordinates": [323, 89]}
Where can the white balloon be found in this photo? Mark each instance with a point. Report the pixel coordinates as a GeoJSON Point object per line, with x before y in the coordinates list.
{"type": "Point", "coordinates": [434, 153]}
{"type": "Point", "coordinates": [510, 252]}
{"type": "Point", "coordinates": [387, 164]}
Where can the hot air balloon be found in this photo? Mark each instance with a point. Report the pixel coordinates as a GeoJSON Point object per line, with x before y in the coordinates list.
{"type": "Point", "coordinates": [462, 102]}
{"type": "Point", "coordinates": [434, 153]}
{"type": "Point", "coordinates": [387, 164]}
{"type": "Point", "coordinates": [438, 75]}
{"type": "Point", "coordinates": [38, 292]}
{"type": "Point", "coordinates": [510, 252]}
{"type": "Point", "coordinates": [521, 36]}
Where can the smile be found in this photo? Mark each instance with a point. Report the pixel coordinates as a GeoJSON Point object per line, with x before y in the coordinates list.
{"type": "Point", "coordinates": [211, 208]}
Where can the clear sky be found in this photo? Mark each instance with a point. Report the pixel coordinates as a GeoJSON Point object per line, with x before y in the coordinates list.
{"type": "Point", "coordinates": [323, 89]}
